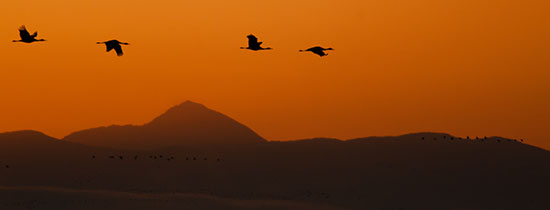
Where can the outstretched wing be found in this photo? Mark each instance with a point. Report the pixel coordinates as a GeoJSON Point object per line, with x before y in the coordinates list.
{"type": "Point", "coordinates": [23, 33]}
{"type": "Point", "coordinates": [252, 40]}
{"type": "Point", "coordinates": [34, 34]}
{"type": "Point", "coordinates": [316, 48]}
{"type": "Point", "coordinates": [118, 50]}
{"type": "Point", "coordinates": [109, 46]}
{"type": "Point", "coordinates": [320, 52]}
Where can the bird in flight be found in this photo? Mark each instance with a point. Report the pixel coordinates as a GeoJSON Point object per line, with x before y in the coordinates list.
{"type": "Point", "coordinates": [27, 37]}
{"type": "Point", "coordinates": [320, 51]}
{"type": "Point", "coordinates": [253, 44]}
{"type": "Point", "coordinates": [114, 44]}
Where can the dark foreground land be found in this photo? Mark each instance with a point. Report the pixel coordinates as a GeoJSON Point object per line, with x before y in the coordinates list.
{"type": "Point", "coordinates": [372, 173]}
{"type": "Point", "coordinates": [192, 157]}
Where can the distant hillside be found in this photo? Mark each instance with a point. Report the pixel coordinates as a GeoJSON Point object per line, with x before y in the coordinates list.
{"type": "Point", "coordinates": [191, 153]}
{"type": "Point", "coordinates": [32, 143]}
{"type": "Point", "coordinates": [413, 171]}
{"type": "Point", "coordinates": [186, 124]}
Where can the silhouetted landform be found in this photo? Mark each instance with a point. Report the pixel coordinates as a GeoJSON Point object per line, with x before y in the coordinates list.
{"type": "Point", "coordinates": [320, 51]}
{"type": "Point", "coordinates": [413, 171]}
{"type": "Point", "coordinates": [30, 143]}
{"type": "Point", "coordinates": [27, 37]}
{"type": "Point", "coordinates": [114, 44]}
{"type": "Point", "coordinates": [186, 124]}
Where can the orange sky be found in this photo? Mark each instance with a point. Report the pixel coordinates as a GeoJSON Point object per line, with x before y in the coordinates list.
{"type": "Point", "coordinates": [467, 67]}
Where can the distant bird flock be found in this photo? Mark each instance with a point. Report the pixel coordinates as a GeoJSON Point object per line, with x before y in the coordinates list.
{"type": "Point", "coordinates": [155, 157]}
{"type": "Point", "coordinates": [253, 43]}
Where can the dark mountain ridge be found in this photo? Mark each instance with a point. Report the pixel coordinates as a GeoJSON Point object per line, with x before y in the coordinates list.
{"type": "Point", "coordinates": [187, 124]}
{"type": "Point", "coordinates": [412, 171]}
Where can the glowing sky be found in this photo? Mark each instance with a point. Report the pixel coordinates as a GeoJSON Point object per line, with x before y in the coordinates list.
{"type": "Point", "coordinates": [466, 67]}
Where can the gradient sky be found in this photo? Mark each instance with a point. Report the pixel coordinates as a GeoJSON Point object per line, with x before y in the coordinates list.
{"type": "Point", "coordinates": [466, 67]}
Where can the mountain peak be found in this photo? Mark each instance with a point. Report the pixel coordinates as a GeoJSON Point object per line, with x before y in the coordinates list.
{"type": "Point", "coordinates": [188, 123]}
{"type": "Point", "coordinates": [188, 105]}
{"type": "Point", "coordinates": [185, 111]}
{"type": "Point", "coordinates": [196, 121]}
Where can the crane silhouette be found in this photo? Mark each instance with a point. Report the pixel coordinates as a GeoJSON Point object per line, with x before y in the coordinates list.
{"type": "Point", "coordinates": [27, 37]}
{"type": "Point", "coordinates": [320, 51]}
{"type": "Point", "coordinates": [253, 44]}
{"type": "Point", "coordinates": [114, 44]}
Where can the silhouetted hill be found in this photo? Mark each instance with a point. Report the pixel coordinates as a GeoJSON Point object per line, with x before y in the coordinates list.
{"type": "Point", "coordinates": [413, 171]}
{"type": "Point", "coordinates": [187, 124]}
{"type": "Point", "coordinates": [26, 137]}
{"type": "Point", "coordinates": [29, 143]}
{"type": "Point", "coordinates": [35, 146]}
{"type": "Point", "coordinates": [182, 166]}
